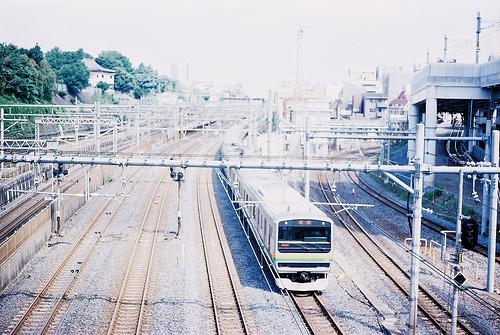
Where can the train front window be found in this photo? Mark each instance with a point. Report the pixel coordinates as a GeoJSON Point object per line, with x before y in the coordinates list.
{"type": "Point", "coordinates": [304, 236]}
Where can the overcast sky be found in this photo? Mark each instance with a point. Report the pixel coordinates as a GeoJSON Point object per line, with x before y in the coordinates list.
{"type": "Point", "coordinates": [254, 41]}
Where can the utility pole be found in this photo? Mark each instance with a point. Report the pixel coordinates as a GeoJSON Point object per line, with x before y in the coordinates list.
{"type": "Point", "coordinates": [458, 250]}
{"type": "Point", "coordinates": [445, 48]}
{"type": "Point", "coordinates": [389, 126]}
{"type": "Point", "coordinates": [138, 135]}
{"type": "Point", "coordinates": [252, 126]}
{"type": "Point", "coordinates": [495, 153]}
{"type": "Point", "coordinates": [298, 68]}
{"type": "Point", "coordinates": [87, 183]}
{"type": "Point", "coordinates": [58, 207]}
{"type": "Point", "coordinates": [307, 182]}
{"type": "Point", "coordinates": [478, 31]}
{"type": "Point", "coordinates": [416, 227]}
{"type": "Point", "coordinates": [97, 127]}
{"type": "Point", "coordinates": [115, 139]}
{"type": "Point", "coordinates": [269, 122]}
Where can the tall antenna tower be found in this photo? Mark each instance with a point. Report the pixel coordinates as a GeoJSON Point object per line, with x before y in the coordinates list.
{"type": "Point", "coordinates": [298, 65]}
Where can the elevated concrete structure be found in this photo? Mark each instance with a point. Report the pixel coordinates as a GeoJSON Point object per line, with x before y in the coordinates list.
{"type": "Point", "coordinates": [468, 89]}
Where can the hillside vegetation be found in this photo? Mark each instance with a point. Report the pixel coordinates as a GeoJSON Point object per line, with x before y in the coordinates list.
{"type": "Point", "coordinates": [30, 76]}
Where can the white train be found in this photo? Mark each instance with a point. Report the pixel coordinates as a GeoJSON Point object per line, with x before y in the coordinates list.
{"type": "Point", "coordinates": [295, 236]}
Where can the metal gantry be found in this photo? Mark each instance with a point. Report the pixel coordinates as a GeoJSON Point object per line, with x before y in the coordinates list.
{"type": "Point", "coordinates": [180, 118]}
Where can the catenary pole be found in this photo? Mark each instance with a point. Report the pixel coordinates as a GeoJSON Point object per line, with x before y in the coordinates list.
{"type": "Point", "coordinates": [484, 202]}
{"type": "Point", "coordinates": [97, 127]}
{"type": "Point", "coordinates": [307, 173]}
{"type": "Point", "coordinates": [445, 51]}
{"type": "Point", "coordinates": [458, 250]}
{"type": "Point", "coordinates": [495, 153]}
{"type": "Point", "coordinates": [269, 122]}
{"type": "Point", "coordinates": [416, 226]}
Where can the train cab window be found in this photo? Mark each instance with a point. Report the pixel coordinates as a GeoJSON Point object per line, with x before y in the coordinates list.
{"type": "Point", "coordinates": [304, 236]}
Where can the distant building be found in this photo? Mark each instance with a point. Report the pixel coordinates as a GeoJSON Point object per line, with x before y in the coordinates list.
{"type": "Point", "coordinates": [397, 112]}
{"type": "Point", "coordinates": [99, 73]}
{"type": "Point", "coordinates": [373, 105]}
{"type": "Point", "coordinates": [394, 79]}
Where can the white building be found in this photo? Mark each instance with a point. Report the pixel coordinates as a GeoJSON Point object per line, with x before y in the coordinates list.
{"type": "Point", "coordinates": [99, 73]}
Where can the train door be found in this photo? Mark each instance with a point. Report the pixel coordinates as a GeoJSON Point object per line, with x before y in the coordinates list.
{"type": "Point", "coordinates": [269, 233]}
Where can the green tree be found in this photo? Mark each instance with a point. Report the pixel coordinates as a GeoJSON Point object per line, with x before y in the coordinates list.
{"type": "Point", "coordinates": [165, 85]}
{"type": "Point", "coordinates": [69, 68]}
{"type": "Point", "coordinates": [146, 79]}
{"type": "Point", "coordinates": [124, 79]}
{"type": "Point", "coordinates": [24, 75]}
{"type": "Point", "coordinates": [35, 53]}
{"type": "Point", "coordinates": [102, 86]}
{"type": "Point", "coordinates": [113, 60]}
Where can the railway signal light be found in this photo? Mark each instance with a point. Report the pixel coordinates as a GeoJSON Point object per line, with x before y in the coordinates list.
{"type": "Point", "coordinates": [176, 176]}
{"type": "Point", "coordinates": [59, 171]}
{"type": "Point", "coordinates": [469, 233]}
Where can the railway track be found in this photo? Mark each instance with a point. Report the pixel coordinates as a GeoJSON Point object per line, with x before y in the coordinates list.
{"type": "Point", "coordinates": [44, 311]}
{"type": "Point", "coordinates": [432, 311]}
{"type": "Point", "coordinates": [316, 317]}
{"type": "Point", "coordinates": [129, 312]}
{"type": "Point", "coordinates": [227, 309]}
{"type": "Point", "coordinates": [396, 206]}
{"type": "Point", "coordinates": [129, 309]}
{"type": "Point", "coordinates": [47, 308]}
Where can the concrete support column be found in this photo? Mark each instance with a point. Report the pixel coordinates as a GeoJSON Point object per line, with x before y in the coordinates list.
{"type": "Point", "coordinates": [430, 131]}
{"type": "Point", "coordinates": [470, 126]}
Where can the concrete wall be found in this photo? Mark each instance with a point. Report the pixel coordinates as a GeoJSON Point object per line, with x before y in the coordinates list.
{"type": "Point", "coordinates": [18, 250]}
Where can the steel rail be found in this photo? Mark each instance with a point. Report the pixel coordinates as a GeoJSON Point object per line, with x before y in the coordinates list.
{"type": "Point", "coordinates": [135, 282]}
{"type": "Point", "coordinates": [315, 315]}
{"type": "Point", "coordinates": [431, 308]}
{"type": "Point", "coordinates": [224, 307]}
{"type": "Point", "coordinates": [396, 206]}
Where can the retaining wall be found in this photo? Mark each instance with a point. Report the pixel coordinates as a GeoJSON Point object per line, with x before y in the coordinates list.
{"type": "Point", "coordinates": [19, 249]}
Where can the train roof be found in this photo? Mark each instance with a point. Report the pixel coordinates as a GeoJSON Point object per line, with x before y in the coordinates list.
{"type": "Point", "coordinates": [282, 202]}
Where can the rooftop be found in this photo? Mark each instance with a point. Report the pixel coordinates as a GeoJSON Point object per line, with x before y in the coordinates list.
{"type": "Point", "coordinates": [91, 64]}
{"type": "Point", "coordinates": [476, 75]}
